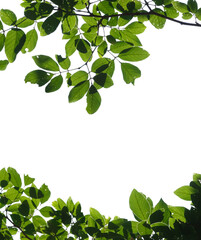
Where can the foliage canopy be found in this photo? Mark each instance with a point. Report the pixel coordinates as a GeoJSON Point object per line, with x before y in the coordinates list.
{"type": "Point", "coordinates": [22, 212]}
{"type": "Point", "coordinates": [102, 34]}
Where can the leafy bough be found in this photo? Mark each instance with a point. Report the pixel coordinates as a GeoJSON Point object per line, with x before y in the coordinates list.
{"type": "Point", "coordinates": [24, 214]}
{"type": "Point", "coordinates": [102, 34]}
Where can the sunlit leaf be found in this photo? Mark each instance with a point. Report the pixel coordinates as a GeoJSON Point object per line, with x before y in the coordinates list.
{"type": "Point", "coordinates": [46, 62]}
{"type": "Point", "coordinates": [54, 84]}
{"type": "Point", "coordinates": [31, 41]}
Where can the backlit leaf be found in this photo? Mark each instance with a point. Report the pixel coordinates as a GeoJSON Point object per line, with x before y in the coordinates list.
{"type": "Point", "coordinates": [8, 17]}
{"type": "Point", "coordinates": [15, 177]}
{"type": "Point", "coordinates": [31, 41]}
{"type": "Point", "coordinates": [130, 72]}
{"type": "Point", "coordinates": [38, 10]}
{"type": "Point", "coordinates": [185, 192]}
{"type": "Point", "coordinates": [54, 84]}
{"type": "Point", "coordinates": [157, 21]}
{"type": "Point", "coordinates": [78, 91]}
{"type": "Point", "coordinates": [46, 62]}
{"type": "Point", "coordinates": [39, 77]}
{"type": "Point", "coordinates": [93, 100]}
{"type": "Point", "coordinates": [134, 54]}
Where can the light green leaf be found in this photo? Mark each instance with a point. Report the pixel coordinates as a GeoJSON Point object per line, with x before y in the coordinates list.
{"type": "Point", "coordinates": [46, 62]}
{"type": "Point", "coordinates": [100, 65]}
{"type": "Point", "coordinates": [54, 84]}
{"type": "Point", "coordinates": [77, 77]}
{"type": "Point", "coordinates": [178, 213]}
{"type": "Point", "coordinates": [187, 16]}
{"type": "Point", "coordinates": [47, 211]}
{"type": "Point", "coordinates": [185, 192]}
{"type": "Point", "coordinates": [12, 194]}
{"type": "Point", "coordinates": [46, 193]}
{"type": "Point", "coordinates": [129, 37]}
{"type": "Point", "coordinates": [97, 216]}
{"type": "Point", "coordinates": [157, 21]}
{"type": "Point", "coordinates": [14, 42]}
{"type": "Point", "coordinates": [106, 7]}
{"type": "Point", "coordinates": [120, 46]}
{"type": "Point", "coordinates": [102, 49]}
{"type": "Point", "coordinates": [63, 62]}
{"type": "Point", "coordinates": [31, 41]}
{"type": "Point", "coordinates": [24, 22]}
{"type": "Point", "coordinates": [3, 64]}
{"type": "Point", "coordinates": [130, 72]}
{"type": "Point", "coordinates": [28, 180]}
{"type": "Point", "coordinates": [144, 229]}
{"type": "Point", "coordinates": [68, 23]}
{"type": "Point", "coordinates": [90, 21]}
{"type": "Point", "coordinates": [136, 27]}
{"type": "Point", "coordinates": [78, 91]}
{"type": "Point", "coordinates": [139, 205]}
{"type": "Point", "coordinates": [8, 17]}
{"type": "Point", "coordinates": [181, 7]}
{"type": "Point", "coordinates": [134, 54]}
{"type": "Point", "coordinates": [15, 177]}
{"type": "Point", "coordinates": [38, 77]}
{"type": "Point", "coordinates": [93, 100]}
{"type": "Point", "coordinates": [171, 11]}
{"type": "Point", "coordinates": [4, 175]}
{"type": "Point", "coordinates": [39, 222]}
{"type": "Point", "coordinates": [71, 45]}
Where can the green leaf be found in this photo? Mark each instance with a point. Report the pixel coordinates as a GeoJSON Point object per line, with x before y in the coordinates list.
{"type": "Point", "coordinates": [129, 37]}
{"type": "Point", "coordinates": [198, 14]}
{"type": "Point", "coordinates": [47, 211]}
{"type": "Point", "coordinates": [70, 205]}
{"type": "Point", "coordinates": [77, 77]}
{"type": "Point", "coordinates": [1, 25]}
{"type": "Point", "coordinates": [130, 72]}
{"type": "Point", "coordinates": [4, 175]}
{"type": "Point", "coordinates": [104, 80]}
{"type": "Point", "coordinates": [136, 27]}
{"type": "Point", "coordinates": [28, 180]}
{"type": "Point", "coordinates": [39, 222]}
{"type": "Point", "coordinates": [71, 45]}
{"type": "Point", "coordinates": [78, 91]}
{"type": "Point", "coordinates": [68, 23]}
{"type": "Point", "coordinates": [14, 42]}
{"type": "Point", "coordinates": [144, 229]}
{"type": "Point", "coordinates": [90, 21]}
{"type": "Point", "coordinates": [157, 21]}
{"type": "Point", "coordinates": [97, 216]}
{"type": "Point", "coordinates": [54, 84]}
{"type": "Point", "coordinates": [31, 41]}
{"type": "Point", "coordinates": [187, 16]}
{"type": "Point", "coordinates": [46, 62]}
{"type": "Point", "coordinates": [82, 45]}
{"type": "Point", "coordinates": [39, 77]}
{"type": "Point", "coordinates": [102, 49]}
{"type": "Point", "coordinates": [2, 41]}
{"type": "Point", "coordinates": [93, 100]}
{"type": "Point", "coordinates": [46, 193]}
{"type": "Point", "coordinates": [181, 7]}
{"type": "Point", "coordinates": [192, 4]}
{"type": "Point", "coordinates": [100, 65]}
{"type": "Point", "coordinates": [24, 208]}
{"type": "Point", "coordinates": [51, 23]}
{"type": "Point", "coordinates": [15, 177]}
{"type": "Point", "coordinates": [24, 22]}
{"type": "Point", "coordinates": [185, 192]}
{"type": "Point", "coordinates": [178, 213]}
{"type": "Point", "coordinates": [33, 192]}
{"type": "Point", "coordinates": [134, 54]}
{"type": "Point", "coordinates": [8, 17]}
{"type": "Point", "coordinates": [161, 205]}
{"type": "Point", "coordinates": [38, 10]}
{"type": "Point", "coordinates": [120, 46]}
{"type": "Point", "coordinates": [106, 8]}
{"type": "Point", "coordinates": [63, 62]}
{"type": "Point", "coordinates": [12, 194]}
{"type": "Point", "coordinates": [3, 64]}
{"type": "Point", "coordinates": [171, 11]}
{"type": "Point", "coordinates": [139, 205]}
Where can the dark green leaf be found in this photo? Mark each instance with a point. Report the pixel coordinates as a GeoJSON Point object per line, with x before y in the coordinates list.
{"type": "Point", "coordinates": [97, 216]}
{"type": "Point", "coordinates": [31, 41]}
{"type": "Point", "coordinates": [134, 54]}
{"type": "Point", "coordinates": [130, 72]}
{"type": "Point", "coordinates": [46, 62]}
{"type": "Point", "coordinates": [2, 41]}
{"type": "Point", "coordinates": [78, 91]}
{"type": "Point", "coordinates": [14, 42]}
{"type": "Point", "coordinates": [15, 177]}
{"type": "Point", "coordinates": [51, 23]}
{"type": "Point", "coordinates": [24, 208]}
{"type": "Point", "coordinates": [54, 84]}
{"type": "Point", "coordinates": [39, 77]}
{"type": "Point", "coordinates": [38, 10]}
{"type": "Point", "coordinates": [139, 205]}
{"type": "Point", "coordinates": [103, 80]}
{"type": "Point", "coordinates": [82, 45]}
{"type": "Point", "coordinates": [3, 64]}
{"type": "Point", "coordinates": [93, 100]}
{"type": "Point", "coordinates": [8, 17]}
{"type": "Point", "coordinates": [198, 14]}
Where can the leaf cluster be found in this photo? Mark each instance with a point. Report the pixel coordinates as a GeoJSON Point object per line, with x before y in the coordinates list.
{"type": "Point", "coordinates": [103, 34]}
{"type": "Point", "coordinates": [22, 211]}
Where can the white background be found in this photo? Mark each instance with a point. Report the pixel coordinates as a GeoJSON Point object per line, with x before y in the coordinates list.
{"type": "Point", "coordinates": [145, 136]}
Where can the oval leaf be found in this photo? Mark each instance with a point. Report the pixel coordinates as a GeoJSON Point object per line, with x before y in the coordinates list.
{"type": "Point", "coordinates": [78, 91]}
{"type": "Point", "coordinates": [31, 41]}
{"type": "Point", "coordinates": [8, 17]}
{"type": "Point", "coordinates": [39, 77]}
{"type": "Point", "coordinates": [134, 54]}
{"type": "Point", "coordinates": [54, 84]}
{"type": "Point", "coordinates": [46, 62]}
{"type": "Point", "coordinates": [130, 72]}
{"type": "Point", "coordinates": [93, 100]}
